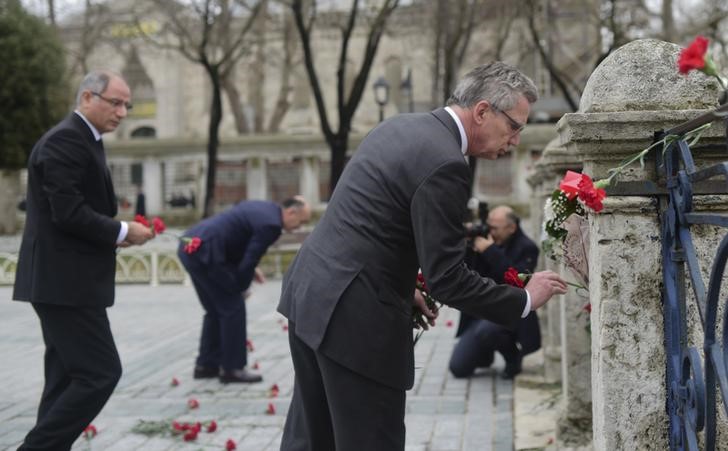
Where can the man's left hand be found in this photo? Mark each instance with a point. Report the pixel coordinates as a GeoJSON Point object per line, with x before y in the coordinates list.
{"type": "Point", "coordinates": [480, 244]}
{"type": "Point", "coordinates": [258, 276]}
{"type": "Point", "coordinates": [431, 315]}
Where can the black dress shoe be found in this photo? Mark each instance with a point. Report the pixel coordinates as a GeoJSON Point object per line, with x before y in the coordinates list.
{"type": "Point", "coordinates": [205, 372]}
{"type": "Point", "coordinates": [512, 369]}
{"type": "Point", "coordinates": [242, 375]}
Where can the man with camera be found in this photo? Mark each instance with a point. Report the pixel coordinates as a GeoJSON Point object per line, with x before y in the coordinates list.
{"type": "Point", "coordinates": [499, 243]}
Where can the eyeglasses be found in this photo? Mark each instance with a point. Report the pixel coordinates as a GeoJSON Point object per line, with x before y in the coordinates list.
{"type": "Point", "coordinates": [116, 103]}
{"type": "Point", "coordinates": [516, 127]}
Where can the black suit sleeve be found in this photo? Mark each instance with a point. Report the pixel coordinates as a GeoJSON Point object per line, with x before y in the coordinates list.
{"type": "Point", "coordinates": [437, 208]}
{"type": "Point", "coordinates": [259, 243]}
{"type": "Point", "coordinates": [65, 161]}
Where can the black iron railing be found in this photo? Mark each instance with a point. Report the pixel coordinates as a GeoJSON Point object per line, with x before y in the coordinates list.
{"type": "Point", "coordinates": [691, 380]}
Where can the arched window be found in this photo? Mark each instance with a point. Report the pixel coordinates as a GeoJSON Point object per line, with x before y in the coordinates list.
{"type": "Point", "coordinates": [144, 132]}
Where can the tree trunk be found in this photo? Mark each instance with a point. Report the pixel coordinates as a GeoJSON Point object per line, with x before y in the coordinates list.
{"type": "Point", "coordinates": [338, 144]}
{"type": "Point", "coordinates": [213, 140]}
{"type": "Point", "coordinates": [236, 106]}
{"type": "Point", "coordinates": [10, 187]}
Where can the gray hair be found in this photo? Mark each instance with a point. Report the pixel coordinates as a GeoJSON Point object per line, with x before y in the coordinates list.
{"type": "Point", "coordinates": [94, 81]}
{"type": "Point", "coordinates": [496, 82]}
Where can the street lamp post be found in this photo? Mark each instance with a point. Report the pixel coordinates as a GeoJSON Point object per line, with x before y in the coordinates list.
{"type": "Point", "coordinates": [406, 89]}
{"type": "Point", "coordinates": [381, 95]}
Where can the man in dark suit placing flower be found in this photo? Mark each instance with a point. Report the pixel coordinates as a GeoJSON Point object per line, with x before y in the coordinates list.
{"type": "Point", "coordinates": [348, 295]}
{"type": "Point", "coordinates": [221, 254]}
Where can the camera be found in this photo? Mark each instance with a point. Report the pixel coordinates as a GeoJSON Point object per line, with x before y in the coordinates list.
{"type": "Point", "coordinates": [480, 227]}
{"type": "Point", "coordinates": [476, 230]}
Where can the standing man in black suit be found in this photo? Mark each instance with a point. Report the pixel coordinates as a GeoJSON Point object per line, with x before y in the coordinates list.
{"type": "Point", "coordinates": [348, 295]}
{"type": "Point", "coordinates": [233, 242]}
{"type": "Point", "coordinates": [505, 246]}
{"type": "Point", "coordinates": [67, 261]}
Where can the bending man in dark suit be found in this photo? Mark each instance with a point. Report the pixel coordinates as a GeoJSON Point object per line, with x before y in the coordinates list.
{"type": "Point", "coordinates": [222, 268]}
{"type": "Point", "coordinates": [506, 246]}
{"type": "Point", "coordinates": [348, 294]}
{"type": "Point", "coordinates": [67, 261]}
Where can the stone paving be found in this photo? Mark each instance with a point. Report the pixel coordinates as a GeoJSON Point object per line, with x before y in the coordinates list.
{"type": "Point", "coordinates": [156, 331]}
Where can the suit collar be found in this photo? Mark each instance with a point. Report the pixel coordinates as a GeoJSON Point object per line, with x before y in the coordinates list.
{"type": "Point", "coordinates": [443, 116]}
{"type": "Point", "coordinates": [94, 131]}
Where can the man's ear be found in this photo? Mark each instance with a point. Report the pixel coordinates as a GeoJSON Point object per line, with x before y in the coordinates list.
{"type": "Point", "coordinates": [480, 110]}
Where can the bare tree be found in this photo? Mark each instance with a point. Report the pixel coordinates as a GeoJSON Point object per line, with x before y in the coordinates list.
{"type": "Point", "coordinates": [93, 30]}
{"type": "Point", "coordinates": [287, 62]}
{"type": "Point", "coordinates": [375, 17]}
{"type": "Point", "coordinates": [211, 33]}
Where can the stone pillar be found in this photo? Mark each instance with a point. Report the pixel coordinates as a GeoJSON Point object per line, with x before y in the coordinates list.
{"type": "Point", "coordinates": [257, 179]}
{"type": "Point", "coordinates": [10, 187]}
{"type": "Point", "coordinates": [548, 171]}
{"type": "Point", "coordinates": [574, 428]}
{"type": "Point", "coordinates": [634, 92]}
{"type": "Point", "coordinates": [152, 185]}
{"type": "Point", "coordinates": [309, 180]}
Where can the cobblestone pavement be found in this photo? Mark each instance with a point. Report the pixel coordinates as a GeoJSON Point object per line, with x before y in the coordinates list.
{"type": "Point", "coordinates": [156, 331]}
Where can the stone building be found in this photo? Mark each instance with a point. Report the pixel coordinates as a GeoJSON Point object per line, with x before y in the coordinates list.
{"type": "Point", "coordinates": [160, 148]}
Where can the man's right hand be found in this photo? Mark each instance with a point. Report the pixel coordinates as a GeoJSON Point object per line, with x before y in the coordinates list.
{"type": "Point", "coordinates": [137, 234]}
{"type": "Point", "coordinates": [542, 286]}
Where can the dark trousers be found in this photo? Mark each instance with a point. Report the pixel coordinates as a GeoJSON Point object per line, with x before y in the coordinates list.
{"type": "Point", "coordinates": [223, 337]}
{"type": "Point", "coordinates": [477, 345]}
{"type": "Point", "coordinates": [334, 408]}
{"type": "Point", "coordinates": [82, 367]}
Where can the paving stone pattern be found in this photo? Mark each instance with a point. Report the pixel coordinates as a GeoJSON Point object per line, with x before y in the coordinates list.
{"type": "Point", "coordinates": [156, 331]}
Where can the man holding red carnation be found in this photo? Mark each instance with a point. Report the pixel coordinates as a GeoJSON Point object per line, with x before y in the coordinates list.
{"type": "Point", "coordinates": [67, 261]}
{"type": "Point", "coordinates": [349, 293]}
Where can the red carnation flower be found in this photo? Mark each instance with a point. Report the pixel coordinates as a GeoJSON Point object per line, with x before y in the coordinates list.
{"type": "Point", "coordinates": [693, 57]}
{"type": "Point", "coordinates": [175, 382]}
{"type": "Point", "coordinates": [256, 365]}
{"type": "Point", "coordinates": [273, 391]}
{"type": "Point", "coordinates": [190, 436]}
{"type": "Point", "coordinates": [158, 225]}
{"type": "Point", "coordinates": [192, 403]}
{"type": "Point", "coordinates": [511, 277]}
{"type": "Point", "coordinates": [591, 195]}
{"type": "Point", "coordinates": [230, 445]}
{"type": "Point", "coordinates": [212, 427]}
{"type": "Point", "coordinates": [449, 323]}
{"type": "Point", "coordinates": [90, 431]}
{"type": "Point", "coordinates": [249, 345]}
{"type": "Point", "coordinates": [192, 244]}
{"type": "Point", "coordinates": [271, 410]}
{"type": "Point", "coordinates": [141, 220]}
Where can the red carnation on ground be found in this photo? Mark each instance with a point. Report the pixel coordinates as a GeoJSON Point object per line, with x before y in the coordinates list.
{"type": "Point", "coordinates": [271, 410]}
{"type": "Point", "coordinates": [90, 431]}
{"type": "Point", "coordinates": [190, 436]}
{"type": "Point", "coordinates": [192, 403]}
{"type": "Point", "coordinates": [449, 323]}
{"type": "Point", "coordinates": [249, 345]}
{"type": "Point", "coordinates": [230, 445]}
{"type": "Point", "coordinates": [256, 365]}
{"type": "Point", "coordinates": [273, 391]}
{"type": "Point", "coordinates": [212, 427]}
{"type": "Point", "coordinates": [175, 382]}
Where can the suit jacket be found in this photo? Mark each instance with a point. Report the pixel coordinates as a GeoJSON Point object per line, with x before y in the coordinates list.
{"type": "Point", "coordinates": [397, 207]}
{"type": "Point", "coordinates": [520, 252]}
{"type": "Point", "coordinates": [68, 252]}
{"type": "Point", "coordinates": [234, 241]}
